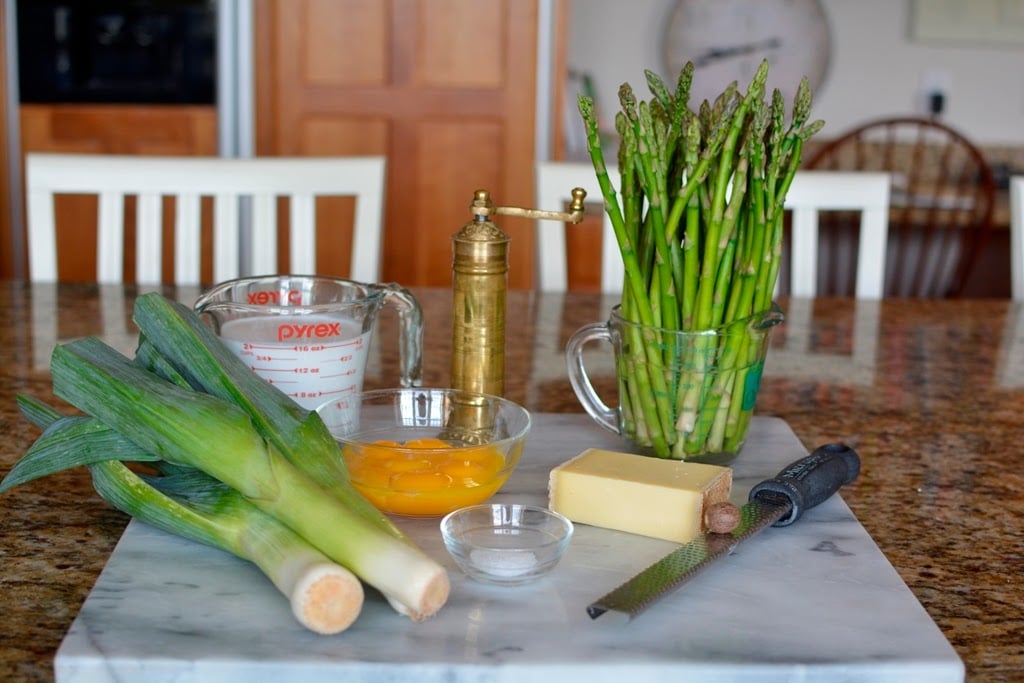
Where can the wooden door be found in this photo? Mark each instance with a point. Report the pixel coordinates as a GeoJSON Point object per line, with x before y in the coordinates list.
{"type": "Point", "coordinates": [444, 88]}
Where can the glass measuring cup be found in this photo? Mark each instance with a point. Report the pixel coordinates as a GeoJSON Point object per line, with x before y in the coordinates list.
{"type": "Point", "coordinates": [310, 335]}
{"type": "Point", "coordinates": [681, 394]}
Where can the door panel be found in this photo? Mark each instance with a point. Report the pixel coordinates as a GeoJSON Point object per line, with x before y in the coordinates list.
{"type": "Point", "coordinates": [337, 135]}
{"type": "Point", "coordinates": [451, 49]}
{"type": "Point", "coordinates": [354, 52]}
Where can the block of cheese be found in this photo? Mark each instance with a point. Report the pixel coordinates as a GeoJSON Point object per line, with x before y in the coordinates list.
{"type": "Point", "coordinates": [637, 493]}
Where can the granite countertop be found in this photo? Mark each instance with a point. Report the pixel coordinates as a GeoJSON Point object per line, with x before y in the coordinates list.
{"type": "Point", "coordinates": [930, 393]}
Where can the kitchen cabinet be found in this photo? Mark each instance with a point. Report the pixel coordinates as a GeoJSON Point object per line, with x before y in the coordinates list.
{"type": "Point", "coordinates": [119, 129]}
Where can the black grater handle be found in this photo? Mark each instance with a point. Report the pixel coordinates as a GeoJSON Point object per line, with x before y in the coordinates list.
{"type": "Point", "coordinates": [811, 480]}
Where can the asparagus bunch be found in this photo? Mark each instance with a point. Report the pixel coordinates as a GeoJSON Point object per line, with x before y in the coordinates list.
{"type": "Point", "coordinates": [698, 218]}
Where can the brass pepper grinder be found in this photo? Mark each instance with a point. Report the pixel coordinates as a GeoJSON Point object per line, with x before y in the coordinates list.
{"type": "Point", "coordinates": [480, 284]}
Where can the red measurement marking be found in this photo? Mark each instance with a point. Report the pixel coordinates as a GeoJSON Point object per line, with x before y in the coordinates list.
{"type": "Point", "coordinates": [347, 373]}
{"type": "Point", "coordinates": [356, 341]}
{"type": "Point", "coordinates": [290, 371]}
{"type": "Point", "coordinates": [344, 390]}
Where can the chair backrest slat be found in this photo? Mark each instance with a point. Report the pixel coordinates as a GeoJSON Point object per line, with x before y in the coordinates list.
{"type": "Point", "coordinates": [263, 259]}
{"type": "Point", "coordinates": [302, 217]}
{"type": "Point", "coordinates": [187, 242]}
{"type": "Point", "coordinates": [1017, 237]}
{"type": "Point", "coordinates": [42, 238]}
{"type": "Point", "coordinates": [149, 238]}
{"type": "Point", "coordinates": [109, 238]}
{"type": "Point", "coordinates": [226, 242]}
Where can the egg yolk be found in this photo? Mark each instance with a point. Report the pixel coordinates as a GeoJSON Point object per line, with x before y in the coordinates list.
{"type": "Point", "coordinates": [397, 479]}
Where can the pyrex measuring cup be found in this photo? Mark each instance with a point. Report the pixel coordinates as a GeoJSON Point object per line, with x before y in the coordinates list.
{"type": "Point", "coordinates": [310, 335]}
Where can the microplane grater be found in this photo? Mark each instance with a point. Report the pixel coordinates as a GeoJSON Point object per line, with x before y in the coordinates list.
{"type": "Point", "coordinates": [779, 501]}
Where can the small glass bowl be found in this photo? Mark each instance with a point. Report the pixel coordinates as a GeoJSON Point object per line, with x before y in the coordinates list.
{"type": "Point", "coordinates": [506, 544]}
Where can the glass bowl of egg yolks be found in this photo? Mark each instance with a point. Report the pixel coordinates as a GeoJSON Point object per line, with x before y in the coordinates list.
{"type": "Point", "coordinates": [426, 452]}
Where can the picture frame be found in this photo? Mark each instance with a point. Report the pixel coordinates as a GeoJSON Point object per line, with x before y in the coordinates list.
{"type": "Point", "coordinates": [978, 22]}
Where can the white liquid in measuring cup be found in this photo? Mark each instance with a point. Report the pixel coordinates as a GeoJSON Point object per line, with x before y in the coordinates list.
{"type": "Point", "coordinates": [311, 358]}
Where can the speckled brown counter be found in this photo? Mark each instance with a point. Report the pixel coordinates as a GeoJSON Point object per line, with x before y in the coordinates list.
{"type": "Point", "coordinates": [934, 402]}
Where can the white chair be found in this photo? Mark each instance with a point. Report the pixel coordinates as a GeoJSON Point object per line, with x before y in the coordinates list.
{"type": "Point", "coordinates": [1017, 238]}
{"type": "Point", "coordinates": [816, 191]}
{"type": "Point", "coordinates": [555, 181]}
{"type": "Point", "coordinates": [151, 178]}
{"type": "Point", "coordinates": [810, 193]}
{"type": "Point", "coordinates": [1009, 371]}
{"type": "Point", "coordinates": [1009, 366]}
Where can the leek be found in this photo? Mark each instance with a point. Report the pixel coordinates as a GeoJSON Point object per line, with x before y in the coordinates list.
{"type": "Point", "coordinates": [193, 429]}
{"type": "Point", "coordinates": [324, 597]}
{"type": "Point", "coordinates": [174, 340]}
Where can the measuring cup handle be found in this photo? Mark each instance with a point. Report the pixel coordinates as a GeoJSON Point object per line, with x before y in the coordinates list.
{"type": "Point", "coordinates": [580, 380]}
{"type": "Point", "coordinates": [410, 323]}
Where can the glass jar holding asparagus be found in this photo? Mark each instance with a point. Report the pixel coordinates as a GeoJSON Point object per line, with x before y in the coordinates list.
{"type": "Point", "coordinates": [698, 216]}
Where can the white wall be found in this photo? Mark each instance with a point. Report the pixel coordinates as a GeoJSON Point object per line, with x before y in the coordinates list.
{"type": "Point", "coordinates": [875, 69]}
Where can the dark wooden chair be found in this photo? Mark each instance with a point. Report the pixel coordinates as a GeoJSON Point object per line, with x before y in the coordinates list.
{"type": "Point", "coordinates": [943, 193]}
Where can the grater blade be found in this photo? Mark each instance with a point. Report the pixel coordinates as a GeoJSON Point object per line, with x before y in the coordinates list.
{"type": "Point", "coordinates": [673, 570]}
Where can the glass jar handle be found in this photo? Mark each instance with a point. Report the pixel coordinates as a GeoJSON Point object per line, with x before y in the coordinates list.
{"type": "Point", "coordinates": [580, 380]}
{"type": "Point", "coordinates": [410, 329]}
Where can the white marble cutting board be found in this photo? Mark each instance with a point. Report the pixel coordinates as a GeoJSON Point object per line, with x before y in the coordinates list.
{"type": "Point", "coordinates": [816, 601]}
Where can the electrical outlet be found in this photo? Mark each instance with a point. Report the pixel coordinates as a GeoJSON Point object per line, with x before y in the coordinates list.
{"type": "Point", "coordinates": [934, 91]}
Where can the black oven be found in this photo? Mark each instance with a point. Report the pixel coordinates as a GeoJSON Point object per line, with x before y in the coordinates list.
{"type": "Point", "coordinates": [117, 51]}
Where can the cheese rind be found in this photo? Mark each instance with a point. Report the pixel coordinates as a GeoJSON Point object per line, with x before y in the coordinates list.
{"type": "Point", "coordinates": [637, 493]}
